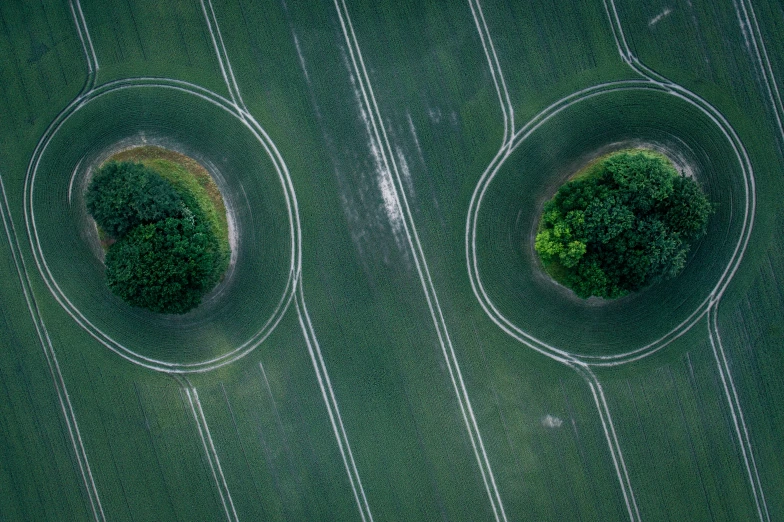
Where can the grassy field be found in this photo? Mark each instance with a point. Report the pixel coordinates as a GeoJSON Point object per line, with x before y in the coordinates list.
{"type": "Point", "coordinates": [386, 346]}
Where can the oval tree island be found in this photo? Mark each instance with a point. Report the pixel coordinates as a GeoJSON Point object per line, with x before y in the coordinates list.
{"type": "Point", "coordinates": [621, 224]}
{"type": "Point", "coordinates": [163, 223]}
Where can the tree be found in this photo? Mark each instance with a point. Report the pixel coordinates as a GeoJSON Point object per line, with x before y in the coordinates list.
{"type": "Point", "coordinates": [166, 255]}
{"type": "Point", "coordinates": [124, 195]}
{"type": "Point", "coordinates": [623, 227]}
{"type": "Point", "coordinates": [165, 266]}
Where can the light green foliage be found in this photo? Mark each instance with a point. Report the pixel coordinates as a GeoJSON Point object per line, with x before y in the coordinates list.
{"type": "Point", "coordinates": [623, 227]}
{"type": "Point", "coordinates": [558, 243]}
{"type": "Point", "coordinates": [575, 250]}
{"type": "Point", "coordinates": [269, 427]}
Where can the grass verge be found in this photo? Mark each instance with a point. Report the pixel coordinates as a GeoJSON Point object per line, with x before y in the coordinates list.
{"type": "Point", "coordinates": [188, 177]}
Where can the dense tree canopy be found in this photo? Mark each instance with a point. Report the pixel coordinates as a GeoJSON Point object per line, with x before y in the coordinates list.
{"type": "Point", "coordinates": [626, 224]}
{"type": "Point", "coordinates": [166, 255]}
{"type": "Point", "coordinates": [124, 195]}
{"type": "Point", "coordinates": [164, 266]}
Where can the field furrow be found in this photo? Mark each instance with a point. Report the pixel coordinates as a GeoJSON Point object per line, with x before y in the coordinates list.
{"type": "Point", "coordinates": [386, 344]}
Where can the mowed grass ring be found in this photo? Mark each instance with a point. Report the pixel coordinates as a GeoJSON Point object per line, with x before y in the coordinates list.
{"type": "Point", "coordinates": [509, 269]}
{"type": "Point", "coordinates": [242, 310]}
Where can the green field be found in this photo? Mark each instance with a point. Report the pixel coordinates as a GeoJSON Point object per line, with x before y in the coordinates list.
{"type": "Point", "coordinates": [386, 346]}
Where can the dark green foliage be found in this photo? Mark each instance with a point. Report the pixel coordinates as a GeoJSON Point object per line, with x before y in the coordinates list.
{"type": "Point", "coordinates": [626, 225]}
{"type": "Point", "coordinates": [124, 195]}
{"type": "Point", "coordinates": [164, 266]}
{"type": "Point", "coordinates": [167, 256]}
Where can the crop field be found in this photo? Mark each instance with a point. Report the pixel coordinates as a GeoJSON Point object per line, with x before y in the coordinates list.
{"type": "Point", "coordinates": [386, 345]}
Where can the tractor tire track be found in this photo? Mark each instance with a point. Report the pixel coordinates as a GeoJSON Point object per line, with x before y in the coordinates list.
{"type": "Point", "coordinates": [382, 145]}
{"type": "Point", "coordinates": [302, 313]}
{"type": "Point", "coordinates": [74, 434]}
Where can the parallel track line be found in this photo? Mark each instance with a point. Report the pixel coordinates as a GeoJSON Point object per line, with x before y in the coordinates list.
{"type": "Point", "coordinates": [383, 145]}
{"type": "Point", "coordinates": [302, 313]}
{"type": "Point", "coordinates": [328, 394]}
{"type": "Point", "coordinates": [736, 411]}
{"type": "Point", "coordinates": [211, 453]}
{"type": "Point", "coordinates": [51, 358]}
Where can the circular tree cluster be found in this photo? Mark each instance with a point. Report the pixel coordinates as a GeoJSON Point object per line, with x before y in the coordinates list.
{"type": "Point", "coordinates": [165, 255]}
{"type": "Point", "coordinates": [624, 224]}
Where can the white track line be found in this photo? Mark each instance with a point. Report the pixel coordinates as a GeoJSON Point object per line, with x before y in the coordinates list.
{"type": "Point", "coordinates": [258, 132]}
{"type": "Point", "coordinates": [89, 54]}
{"type": "Point", "coordinates": [724, 369]}
{"type": "Point", "coordinates": [566, 357]}
{"type": "Point", "coordinates": [496, 72]}
{"type": "Point", "coordinates": [212, 454]}
{"type": "Point", "coordinates": [77, 23]}
{"type": "Point", "coordinates": [740, 247]}
{"type": "Point", "coordinates": [778, 109]}
{"type": "Point", "coordinates": [302, 312]}
{"type": "Point", "coordinates": [328, 394]}
{"type": "Point", "coordinates": [737, 415]}
{"type": "Point", "coordinates": [763, 61]}
{"type": "Point", "coordinates": [723, 366]}
{"type": "Point", "coordinates": [223, 59]}
{"type": "Point", "coordinates": [51, 359]}
{"type": "Point", "coordinates": [420, 261]}
{"type": "Point", "coordinates": [561, 355]}
{"type": "Point", "coordinates": [471, 251]}
{"type": "Point", "coordinates": [73, 178]}
{"type": "Point", "coordinates": [649, 83]}
{"type": "Point", "coordinates": [612, 440]}
{"type": "Point", "coordinates": [43, 335]}
{"type": "Point", "coordinates": [94, 331]}
{"type": "Point", "coordinates": [87, 35]}
{"type": "Point", "coordinates": [90, 92]}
